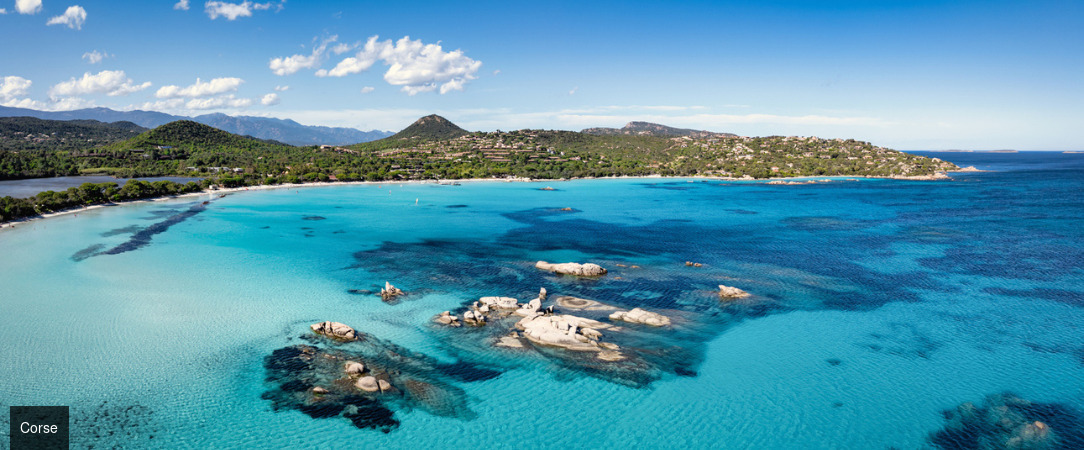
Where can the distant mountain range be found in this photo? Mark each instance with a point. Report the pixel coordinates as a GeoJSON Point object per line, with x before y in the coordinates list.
{"type": "Point", "coordinates": [653, 129]}
{"type": "Point", "coordinates": [283, 130]}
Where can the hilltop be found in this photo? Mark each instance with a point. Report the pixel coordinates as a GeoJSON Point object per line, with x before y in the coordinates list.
{"type": "Point", "coordinates": [429, 128]}
{"type": "Point", "coordinates": [653, 129]}
{"type": "Point", "coordinates": [190, 134]}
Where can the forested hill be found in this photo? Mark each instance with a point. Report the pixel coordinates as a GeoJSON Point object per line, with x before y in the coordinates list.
{"type": "Point", "coordinates": [29, 133]}
{"type": "Point", "coordinates": [192, 135]}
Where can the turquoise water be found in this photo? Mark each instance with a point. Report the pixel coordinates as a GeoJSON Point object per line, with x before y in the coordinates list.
{"type": "Point", "coordinates": [877, 305]}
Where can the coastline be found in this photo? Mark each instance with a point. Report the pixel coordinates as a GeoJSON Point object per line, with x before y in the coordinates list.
{"type": "Point", "coordinates": [776, 181]}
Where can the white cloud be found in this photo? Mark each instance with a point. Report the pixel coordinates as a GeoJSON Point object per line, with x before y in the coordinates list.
{"type": "Point", "coordinates": [173, 104]}
{"type": "Point", "coordinates": [270, 99]}
{"type": "Point", "coordinates": [95, 57]}
{"type": "Point", "coordinates": [367, 89]}
{"type": "Point", "coordinates": [3, 11]}
{"type": "Point", "coordinates": [219, 102]}
{"type": "Point", "coordinates": [12, 86]}
{"type": "Point", "coordinates": [231, 11]}
{"type": "Point", "coordinates": [74, 17]}
{"type": "Point", "coordinates": [110, 82]}
{"type": "Point", "coordinates": [70, 103]}
{"type": "Point", "coordinates": [200, 88]}
{"type": "Point", "coordinates": [344, 47]}
{"type": "Point", "coordinates": [28, 6]}
{"type": "Point", "coordinates": [413, 65]}
{"type": "Point", "coordinates": [497, 72]}
{"type": "Point", "coordinates": [181, 5]}
{"type": "Point", "coordinates": [292, 64]}
{"type": "Point", "coordinates": [573, 91]}
{"type": "Point", "coordinates": [282, 88]}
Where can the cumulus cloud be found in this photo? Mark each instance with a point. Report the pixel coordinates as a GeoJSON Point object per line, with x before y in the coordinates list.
{"type": "Point", "coordinates": [413, 65]}
{"type": "Point", "coordinates": [73, 17]}
{"type": "Point", "coordinates": [270, 99]}
{"type": "Point", "coordinates": [181, 5]}
{"type": "Point", "coordinates": [367, 89]}
{"type": "Point", "coordinates": [231, 11]}
{"type": "Point", "coordinates": [282, 88]}
{"type": "Point", "coordinates": [28, 6]}
{"type": "Point", "coordinates": [219, 102]}
{"type": "Point", "coordinates": [95, 57]}
{"type": "Point", "coordinates": [12, 86]}
{"type": "Point", "coordinates": [200, 88]}
{"type": "Point", "coordinates": [291, 64]}
{"type": "Point", "coordinates": [172, 104]}
{"type": "Point", "coordinates": [3, 11]}
{"type": "Point", "coordinates": [109, 82]}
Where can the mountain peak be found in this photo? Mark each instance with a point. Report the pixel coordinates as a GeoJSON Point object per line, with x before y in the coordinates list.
{"type": "Point", "coordinates": [431, 127]}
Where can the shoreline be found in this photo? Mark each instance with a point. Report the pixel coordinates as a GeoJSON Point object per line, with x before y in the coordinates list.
{"type": "Point", "coordinates": [798, 180]}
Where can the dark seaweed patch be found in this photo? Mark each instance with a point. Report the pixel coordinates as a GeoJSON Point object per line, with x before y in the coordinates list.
{"type": "Point", "coordinates": [468, 372]}
{"type": "Point", "coordinates": [833, 361]}
{"type": "Point", "coordinates": [87, 252]}
{"type": "Point", "coordinates": [314, 218]}
{"type": "Point", "coordinates": [143, 237]}
{"type": "Point", "coordinates": [113, 425]}
{"type": "Point", "coordinates": [1058, 295]}
{"type": "Point", "coordinates": [742, 211]}
{"type": "Point", "coordinates": [118, 231]}
{"type": "Point", "coordinates": [902, 339]}
{"type": "Point", "coordinates": [456, 206]}
{"type": "Point", "coordinates": [1007, 421]}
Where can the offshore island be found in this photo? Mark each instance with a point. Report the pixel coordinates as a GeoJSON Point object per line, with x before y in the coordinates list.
{"type": "Point", "coordinates": [432, 148]}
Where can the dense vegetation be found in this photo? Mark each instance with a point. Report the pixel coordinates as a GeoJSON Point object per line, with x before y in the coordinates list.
{"type": "Point", "coordinates": [433, 148]}
{"type": "Point", "coordinates": [90, 194]}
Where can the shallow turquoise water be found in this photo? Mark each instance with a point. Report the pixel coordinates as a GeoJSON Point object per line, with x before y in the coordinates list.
{"type": "Point", "coordinates": [877, 305]}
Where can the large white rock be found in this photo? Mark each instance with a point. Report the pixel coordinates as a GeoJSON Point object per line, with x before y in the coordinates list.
{"type": "Point", "coordinates": [577, 269]}
{"type": "Point", "coordinates": [638, 315]}
{"type": "Point", "coordinates": [354, 368]}
{"type": "Point", "coordinates": [334, 330]}
{"type": "Point", "coordinates": [500, 302]}
{"type": "Point", "coordinates": [731, 292]}
{"type": "Point", "coordinates": [557, 331]}
{"type": "Point", "coordinates": [367, 384]}
{"type": "Point", "coordinates": [530, 308]}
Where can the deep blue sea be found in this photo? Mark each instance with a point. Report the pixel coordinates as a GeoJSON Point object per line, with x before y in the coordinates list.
{"type": "Point", "coordinates": [878, 308]}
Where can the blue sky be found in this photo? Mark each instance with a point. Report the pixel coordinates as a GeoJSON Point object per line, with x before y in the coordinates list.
{"type": "Point", "coordinates": [908, 75]}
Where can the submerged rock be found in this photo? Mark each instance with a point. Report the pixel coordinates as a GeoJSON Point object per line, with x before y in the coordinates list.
{"type": "Point", "coordinates": [638, 315]}
{"type": "Point", "coordinates": [731, 292]}
{"type": "Point", "coordinates": [1010, 422]}
{"type": "Point", "coordinates": [329, 383]}
{"type": "Point", "coordinates": [577, 269]}
{"type": "Point", "coordinates": [334, 330]}
{"type": "Point", "coordinates": [568, 302]}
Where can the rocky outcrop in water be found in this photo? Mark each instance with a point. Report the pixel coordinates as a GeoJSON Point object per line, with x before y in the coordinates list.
{"type": "Point", "coordinates": [1005, 421]}
{"type": "Point", "coordinates": [727, 292]}
{"type": "Point", "coordinates": [576, 269]}
{"type": "Point", "coordinates": [389, 292]}
{"type": "Point", "coordinates": [638, 315]}
{"type": "Point", "coordinates": [365, 380]}
{"type": "Point", "coordinates": [334, 330]}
